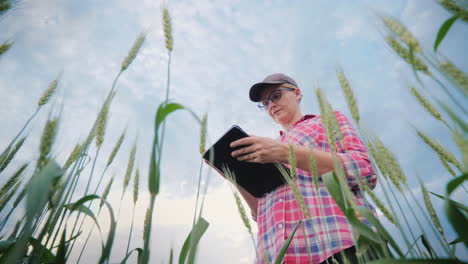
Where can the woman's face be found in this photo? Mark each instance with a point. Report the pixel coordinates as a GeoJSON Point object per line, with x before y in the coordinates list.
{"type": "Point", "coordinates": [284, 110]}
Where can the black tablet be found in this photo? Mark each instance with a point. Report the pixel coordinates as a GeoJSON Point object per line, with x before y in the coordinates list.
{"type": "Point", "coordinates": [256, 178]}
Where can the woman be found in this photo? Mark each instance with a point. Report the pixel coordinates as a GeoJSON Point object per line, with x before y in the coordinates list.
{"type": "Point", "coordinates": [328, 233]}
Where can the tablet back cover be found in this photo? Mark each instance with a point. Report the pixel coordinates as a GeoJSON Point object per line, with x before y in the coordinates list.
{"type": "Point", "coordinates": [256, 178]}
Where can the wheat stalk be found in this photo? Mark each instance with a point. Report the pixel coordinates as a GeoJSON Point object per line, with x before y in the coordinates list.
{"type": "Point", "coordinates": [428, 106]}
{"type": "Point", "coordinates": [326, 119]}
{"type": "Point", "coordinates": [4, 47]}
{"type": "Point", "coordinates": [136, 181]}
{"type": "Point", "coordinates": [74, 155]}
{"type": "Point", "coordinates": [458, 76]}
{"type": "Point", "coordinates": [8, 197]}
{"type": "Point", "coordinates": [406, 56]}
{"type": "Point", "coordinates": [462, 144]}
{"type": "Point", "coordinates": [335, 125]}
{"type": "Point", "coordinates": [101, 125]}
{"type": "Point", "coordinates": [447, 166]}
{"type": "Point", "coordinates": [167, 26]}
{"type": "Point", "coordinates": [133, 51]}
{"type": "Point", "coordinates": [146, 226]}
{"type": "Point", "coordinates": [378, 160]}
{"type": "Point", "coordinates": [242, 212]}
{"type": "Point", "coordinates": [292, 183]}
{"type": "Point", "coordinates": [379, 204]}
{"type": "Point", "coordinates": [48, 93]}
{"type": "Point", "coordinates": [47, 139]}
{"type": "Point", "coordinates": [402, 32]}
{"type": "Point", "coordinates": [203, 134]}
{"type": "Point", "coordinates": [314, 171]}
{"type": "Point", "coordinates": [443, 153]}
{"type": "Point", "coordinates": [455, 9]}
{"type": "Point", "coordinates": [128, 173]}
{"type": "Point", "coordinates": [349, 95]}
{"type": "Point", "coordinates": [8, 158]}
{"type": "Point", "coordinates": [392, 167]}
{"type": "Point", "coordinates": [232, 178]}
{"type": "Point", "coordinates": [431, 210]}
{"type": "Point", "coordinates": [116, 148]}
{"type": "Point", "coordinates": [12, 180]}
{"type": "Point", "coordinates": [106, 191]}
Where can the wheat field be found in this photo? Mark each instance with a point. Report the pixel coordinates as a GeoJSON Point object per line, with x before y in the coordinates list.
{"type": "Point", "coordinates": [106, 184]}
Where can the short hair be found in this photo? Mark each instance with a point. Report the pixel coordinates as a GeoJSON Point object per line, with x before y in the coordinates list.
{"type": "Point", "coordinates": [288, 85]}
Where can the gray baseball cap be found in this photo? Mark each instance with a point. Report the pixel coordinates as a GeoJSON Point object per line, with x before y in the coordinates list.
{"type": "Point", "coordinates": [275, 78]}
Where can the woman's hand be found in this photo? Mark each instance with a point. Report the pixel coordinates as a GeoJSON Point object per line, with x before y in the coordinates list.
{"type": "Point", "coordinates": [260, 150]}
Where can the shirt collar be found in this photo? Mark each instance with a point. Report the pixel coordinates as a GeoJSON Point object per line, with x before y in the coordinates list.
{"type": "Point", "coordinates": [305, 117]}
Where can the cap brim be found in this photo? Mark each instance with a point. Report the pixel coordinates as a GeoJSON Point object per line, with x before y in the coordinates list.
{"type": "Point", "coordinates": [256, 89]}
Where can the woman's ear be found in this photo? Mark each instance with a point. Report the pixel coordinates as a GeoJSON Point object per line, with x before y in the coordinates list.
{"type": "Point", "coordinates": [298, 94]}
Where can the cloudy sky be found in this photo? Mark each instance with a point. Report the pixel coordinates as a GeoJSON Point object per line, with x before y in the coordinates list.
{"type": "Point", "coordinates": [220, 49]}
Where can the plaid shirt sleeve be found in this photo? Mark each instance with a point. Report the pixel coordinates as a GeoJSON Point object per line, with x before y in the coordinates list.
{"type": "Point", "coordinates": [354, 156]}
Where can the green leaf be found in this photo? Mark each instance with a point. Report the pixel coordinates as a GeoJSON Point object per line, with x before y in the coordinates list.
{"type": "Point", "coordinates": [427, 245]}
{"type": "Point", "coordinates": [453, 184]}
{"type": "Point", "coordinates": [171, 256]}
{"type": "Point", "coordinates": [457, 204]}
{"type": "Point", "coordinates": [71, 239]}
{"type": "Point", "coordinates": [163, 111]}
{"type": "Point", "coordinates": [45, 254]}
{"type": "Point", "coordinates": [364, 247]}
{"type": "Point", "coordinates": [78, 206]}
{"type": "Point", "coordinates": [110, 237]}
{"type": "Point", "coordinates": [37, 191]}
{"type": "Point", "coordinates": [38, 188]}
{"type": "Point", "coordinates": [334, 189]}
{"type": "Point", "coordinates": [62, 250]}
{"type": "Point", "coordinates": [443, 31]}
{"type": "Point", "coordinates": [185, 249]}
{"type": "Point", "coordinates": [380, 228]}
{"type": "Point", "coordinates": [5, 244]}
{"type": "Point", "coordinates": [199, 229]}
{"type": "Point", "coordinates": [138, 250]}
{"type": "Point", "coordinates": [362, 228]}
{"type": "Point", "coordinates": [191, 243]}
{"type": "Point", "coordinates": [456, 241]}
{"type": "Point", "coordinates": [154, 171]}
{"type": "Point", "coordinates": [458, 220]}
{"type": "Point", "coordinates": [282, 252]}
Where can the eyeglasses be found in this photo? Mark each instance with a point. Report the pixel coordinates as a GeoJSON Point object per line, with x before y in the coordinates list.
{"type": "Point", "coordinates": [275, 96]}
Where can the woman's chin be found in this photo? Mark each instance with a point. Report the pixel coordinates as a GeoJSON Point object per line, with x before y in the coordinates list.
{"type": "Point", "coordinates": [280, 119]}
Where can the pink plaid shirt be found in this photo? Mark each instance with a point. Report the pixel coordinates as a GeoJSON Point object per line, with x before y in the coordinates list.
{"type": "Point", "coordinates": [328, 232]}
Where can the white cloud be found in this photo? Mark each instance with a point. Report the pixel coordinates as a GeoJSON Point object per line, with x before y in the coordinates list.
{"type": "Point", "coordinates": [220, 49]}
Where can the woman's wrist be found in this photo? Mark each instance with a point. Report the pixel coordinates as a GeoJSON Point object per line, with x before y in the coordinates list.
{"type": "Point", "coordinates": [284, 153]}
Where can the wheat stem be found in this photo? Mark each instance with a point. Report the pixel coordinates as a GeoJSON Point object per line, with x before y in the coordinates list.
{"type": "Point", "coordinates": [428, 106]}
{"type": "Point", "coordinates": [440, 150]}
{"type": "Point", "coordinates": [455, 9]}
{"type": "Point", "coordinates": [11, 154]}
{"type": "Point", "coordinates": [402, 32]}
{"type": "Point", "coordinates": [349, 95]}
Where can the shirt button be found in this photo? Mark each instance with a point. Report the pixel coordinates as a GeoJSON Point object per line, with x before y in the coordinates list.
{"type": "Point", "coordinates": [280, 226]}
{"type": "Point", "coordinates": [280, 200]}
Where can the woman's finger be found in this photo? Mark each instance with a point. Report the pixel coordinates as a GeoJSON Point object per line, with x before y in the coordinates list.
{"type": "Point", "coordinates": [244, 150]}
{"type": "Point", "coordinates": [242, 142]}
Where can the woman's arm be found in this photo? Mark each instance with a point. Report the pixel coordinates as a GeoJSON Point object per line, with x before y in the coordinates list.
{"type": "Point", "coordinates": [266, 150]}
{"type": "Point", "coordinates": [353, 155]}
